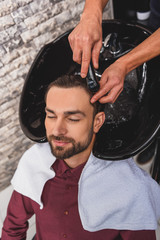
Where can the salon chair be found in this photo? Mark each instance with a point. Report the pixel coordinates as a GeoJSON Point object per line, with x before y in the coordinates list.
{"type": "Point", "coordinates": [132, 122]}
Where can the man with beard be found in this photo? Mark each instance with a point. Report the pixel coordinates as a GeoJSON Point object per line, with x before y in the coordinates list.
{"type": "Point", "coordinates": [73, 194]}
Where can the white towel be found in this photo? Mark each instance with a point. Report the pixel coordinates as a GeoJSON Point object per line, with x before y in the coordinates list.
{"type": "Point", "coordinates": [112, 194]}
{"type": "Point", "coordinates": [33, 171]}
{"type": "Point", "coordinates": [117, 195]}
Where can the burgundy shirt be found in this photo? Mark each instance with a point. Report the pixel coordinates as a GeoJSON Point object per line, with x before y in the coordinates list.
{"type": "Point", "coordinates": [59, 219]}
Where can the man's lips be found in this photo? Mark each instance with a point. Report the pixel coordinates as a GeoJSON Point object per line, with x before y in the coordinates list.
{"type": "Point", "coordinates": [60, 143]}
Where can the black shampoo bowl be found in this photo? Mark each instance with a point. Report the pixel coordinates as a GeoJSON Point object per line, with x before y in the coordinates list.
{"type": "Point", "coordinates": [132, 123]}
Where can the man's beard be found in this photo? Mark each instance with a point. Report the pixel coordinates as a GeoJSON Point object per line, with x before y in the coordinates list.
{"type": "Point", "coordinates": [77, 147]}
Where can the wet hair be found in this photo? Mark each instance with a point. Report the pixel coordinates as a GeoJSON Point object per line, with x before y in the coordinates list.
{"type": "Point", "coordinates": [70, 81]}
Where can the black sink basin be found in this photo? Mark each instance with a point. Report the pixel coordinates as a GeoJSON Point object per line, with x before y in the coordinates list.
{"type": "Point", "coordinates": [132, 122]}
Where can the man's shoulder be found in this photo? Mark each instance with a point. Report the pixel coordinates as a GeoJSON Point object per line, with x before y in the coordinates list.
{"type": "Point", "coordinates": [37, 148]}
{"type": "Point", "coordinates": [120, 174]}
{"type": "Point", "coordinates": [126, 167]}
{"type": "Point", "coordinates": [38, 152]}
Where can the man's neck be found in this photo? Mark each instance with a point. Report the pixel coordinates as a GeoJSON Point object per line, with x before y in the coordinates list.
{"type": "Point", "coordinates": [78, 159]}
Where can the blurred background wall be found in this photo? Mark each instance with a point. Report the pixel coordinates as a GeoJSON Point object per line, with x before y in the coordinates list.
{"type": "Point", "coordinates": [26, 26]}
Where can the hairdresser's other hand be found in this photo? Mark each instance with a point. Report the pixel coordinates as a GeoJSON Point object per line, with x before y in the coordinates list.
{"type": "Point", "coordinates": [86, 41]}
{"type": "Point", "coordinates": [111, 83]}
{"type": "Point", "coordinates": [112, 79]}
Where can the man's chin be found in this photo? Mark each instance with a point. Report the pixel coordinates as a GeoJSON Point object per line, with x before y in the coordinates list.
{"type": "Point", "coordinates": [61, 152]}
{"type": "Point", "coordinates": [62, 155]}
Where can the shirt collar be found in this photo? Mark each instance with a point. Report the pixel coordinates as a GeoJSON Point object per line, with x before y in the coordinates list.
{"type": "Point", "coordinates": [60, 168]}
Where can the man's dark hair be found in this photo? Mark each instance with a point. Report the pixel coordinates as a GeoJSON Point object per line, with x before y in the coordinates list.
{"type": "Point", "coordinates": [69, 81]}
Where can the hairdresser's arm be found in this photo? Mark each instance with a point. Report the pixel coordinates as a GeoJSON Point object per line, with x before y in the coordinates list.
{"type": "Point", "coordinates": [112, 80]}
{"type": "Point", "coordinates": [86, 39]}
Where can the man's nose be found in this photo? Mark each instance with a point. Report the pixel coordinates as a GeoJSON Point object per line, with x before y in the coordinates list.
{"type": "Point", "coordinates": [59, 128]}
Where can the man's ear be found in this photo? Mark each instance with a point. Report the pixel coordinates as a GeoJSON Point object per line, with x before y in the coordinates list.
{"type": "Point", "coordinates": [98, 121]}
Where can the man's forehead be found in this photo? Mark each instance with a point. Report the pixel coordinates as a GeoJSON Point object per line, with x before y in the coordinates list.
{"type": "Point", "coordinates": [73, 98]}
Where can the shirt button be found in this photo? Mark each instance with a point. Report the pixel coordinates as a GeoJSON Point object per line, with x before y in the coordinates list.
{"type": "Point", "coordinates": [66, 212]}
{"type": "Point", "coordinates": [65, 235]}
{"type": "Point", "coordinates": [69, 187]}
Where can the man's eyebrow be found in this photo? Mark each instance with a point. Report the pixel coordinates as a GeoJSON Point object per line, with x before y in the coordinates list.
{"type": "Point", "coordinates": [49, 110]}
{"type": "Point", "coordinates": [67, 112]}
{"type": "Point", "coordinates": [74, 112]}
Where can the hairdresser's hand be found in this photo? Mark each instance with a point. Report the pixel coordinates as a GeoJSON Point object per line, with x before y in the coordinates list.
{"type": "Point", "coordinates": [86, 41]}
{"type": "Point", "coordinates": [111, 83]}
